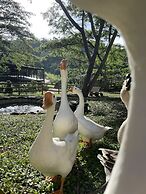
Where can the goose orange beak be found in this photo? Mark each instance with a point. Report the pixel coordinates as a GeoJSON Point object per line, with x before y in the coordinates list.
{"type": "Point", "coordinates": [70, 89]}
{"type": "Point", "coordinates": [63, 64]}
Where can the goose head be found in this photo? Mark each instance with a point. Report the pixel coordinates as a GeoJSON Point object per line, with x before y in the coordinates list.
{"type": "Point", "coordinates": [48, 100]}
{"type": "Point", "coordinates": [63, 71]}
{"type": "Point", "coordinates": [75, 90]}
{"type": "Point", "coordinates": [64, 75]}
{"type": "Point", "coordinates": [80, 107]}
{"type": "Point", "coordinates": [63, 64]}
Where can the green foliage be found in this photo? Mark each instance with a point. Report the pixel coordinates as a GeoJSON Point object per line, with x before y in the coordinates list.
{"type": "Point", "coordinates": [87, 42]}
{"type": "Point", "coordinates": [69, 48]}
{"type": "Point", "coordinates": [25, 52]}
{"type": "Point", "coordinates": [13, 20]}
{"type": "Point", "coordinates": [13, 23]}
{"type": "Point", "coordinates": [87, 175]}
{"type": "Point", "coordinates": [113, 72]}
{"type": "Point", "coordinates": [115, 69]}
{"type": "Point", "coordinates": [52, 77]}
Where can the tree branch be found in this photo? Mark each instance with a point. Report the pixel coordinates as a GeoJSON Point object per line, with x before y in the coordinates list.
{"type": "Point", "coordinates": [68, 15]}
{"type": "Point", "coordinates": [97, 43]}
{"type": "Point", "coordinates": [83, 15]}
{"type": "Point", "coordinates": [92, 25]}
{"type": "Point", "coordinates": [77, 26]}
{"type": "Point", "coordinates": [104, 59]}
{"type": "Point", "coordinates": [110, 33]}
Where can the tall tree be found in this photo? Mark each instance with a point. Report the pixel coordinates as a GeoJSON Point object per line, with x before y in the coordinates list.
{"type": "Point", "coordinates": [13, 23]}
{"type": "Point", "coordinates": [97, 36]}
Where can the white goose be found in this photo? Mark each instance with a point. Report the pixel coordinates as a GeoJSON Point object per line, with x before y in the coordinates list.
{"type": "Point", "coordinates": [108, 157]}
{"type": "Point", "coordinates": [87, 127]}
{"type": "Point", "coordinates": [65, 121]}
{"type": "Point", "coordinates": [125, 96]}
{"type": "Point", "coordinates": [129, 16]}
{"type": "Point", "coordinates": [49, 155]}
{"type": "Point", "coordinates": [125, 91]}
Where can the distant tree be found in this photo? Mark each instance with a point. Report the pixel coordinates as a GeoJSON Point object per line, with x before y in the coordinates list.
{"type": "Point", "coordinates": [113, 72]}
{"type": "Point", "coordinates": [25, 52]}
{"type": "Point", "coordinates": [115, 69]}
{"type": "Point", "coordinates": [72, 49]}
{"type": "Point", "coordinates": [13, 24]}
{"type": "Point", "coordinates": [97, 36]}
{"type": "Point", "coordinates": [13, 20]}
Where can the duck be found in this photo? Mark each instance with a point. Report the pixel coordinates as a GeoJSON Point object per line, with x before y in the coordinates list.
{"type": "Point", "coordinates": [49, 155]}
{"type": "Point", "coordinates": [87, 127]}
{"type": "Point", "coordinates": [65, 121]}
{"type": "Point", "coordinates": [128, 16]}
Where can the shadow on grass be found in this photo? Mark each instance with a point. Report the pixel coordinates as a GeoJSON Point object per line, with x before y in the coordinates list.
{"type": "Point", "coordinates": [87, 175]}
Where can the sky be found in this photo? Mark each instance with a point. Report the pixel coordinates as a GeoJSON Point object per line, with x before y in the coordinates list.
{"type": "Point", "coordinates": [39, 26]}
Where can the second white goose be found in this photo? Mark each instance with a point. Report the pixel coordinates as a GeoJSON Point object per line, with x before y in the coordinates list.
{"type": "Point", "coordinates": [87, 127]}
{"type": "Point", "coordinates": [125, 96]}
{"type": "Point", "coordinates": [65, 121]}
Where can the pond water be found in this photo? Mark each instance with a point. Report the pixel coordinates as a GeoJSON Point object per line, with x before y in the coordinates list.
{"type": "Point", "coordinates": [24, 109]}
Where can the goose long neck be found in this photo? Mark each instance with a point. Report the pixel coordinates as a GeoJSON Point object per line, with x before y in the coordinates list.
{"type": "Point", "coordinates": [63, 86]}
{"type": "Point", "coordinates": [46, 131]}
{"type": "Point", "coordinates": [80, 108]}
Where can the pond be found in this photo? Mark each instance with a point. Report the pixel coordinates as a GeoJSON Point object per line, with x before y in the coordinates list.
{"type": "Point", "coordinates": [23, 109]}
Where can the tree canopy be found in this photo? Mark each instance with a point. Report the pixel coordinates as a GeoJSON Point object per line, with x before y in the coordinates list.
{"type": "Point", "coordinates": [13, 20]}
{"type": "Point", "coordinates": [96, 37]}
{"type": "Point", "coordinates": [13, 24]}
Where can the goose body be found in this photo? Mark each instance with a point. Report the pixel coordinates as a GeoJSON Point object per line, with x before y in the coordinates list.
{"type": "Point", "coordinates": [65, 121]}
{"type": "Point", "coordinates": [129, 173]}
{"type": "Point", "coordinates": [108, 157]}
{"type": "Point", "coordinates": [87, 127]}
{"type": "Point", "coordinates": [52, 156]}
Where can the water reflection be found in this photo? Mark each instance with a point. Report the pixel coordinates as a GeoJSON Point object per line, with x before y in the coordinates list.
{"type": "Point", "coordinates": [24, 109]}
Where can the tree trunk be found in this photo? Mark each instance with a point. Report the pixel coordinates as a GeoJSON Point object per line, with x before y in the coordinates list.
{"type": "Point", "coordinates": [86, 84]}
{"type": "Point", "coordinates": [89, 81]}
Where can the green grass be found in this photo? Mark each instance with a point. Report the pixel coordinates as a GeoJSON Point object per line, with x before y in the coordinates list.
{"type": "Point", "coordinates": [112, 95]}
{"type": "Point", "coordinates": [17, 134]}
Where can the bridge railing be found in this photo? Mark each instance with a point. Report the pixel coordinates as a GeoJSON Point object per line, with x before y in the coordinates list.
{"type": "Point", "coordinates": [25, 88]}
{"type": "Point", "coordinates": [19, 88]}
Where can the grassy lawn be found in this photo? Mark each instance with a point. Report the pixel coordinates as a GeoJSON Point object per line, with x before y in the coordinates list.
{"type": "Point", "coordinates": [19, 131]}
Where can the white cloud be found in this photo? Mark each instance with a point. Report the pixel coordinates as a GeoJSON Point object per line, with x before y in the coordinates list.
{"type": "Point", "coordinates": [39, 26]}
